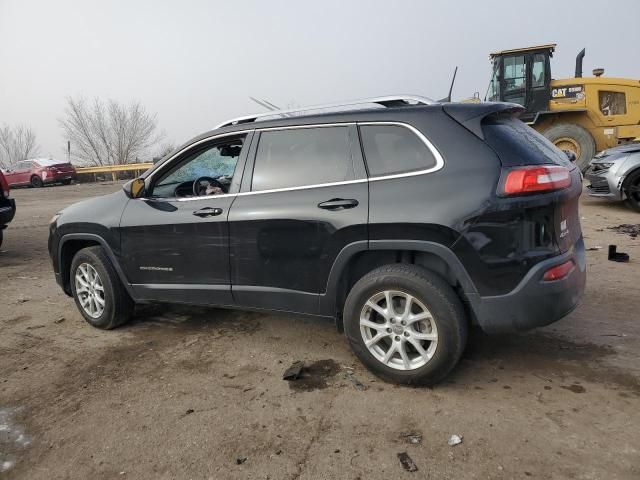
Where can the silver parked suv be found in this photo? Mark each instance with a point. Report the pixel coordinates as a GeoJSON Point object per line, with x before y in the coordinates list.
{"type": "Point", "coordinates": [615, 174]}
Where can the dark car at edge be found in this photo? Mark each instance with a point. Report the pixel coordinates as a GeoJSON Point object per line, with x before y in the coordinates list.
{"type": "Point", "coordinates": [7, 206]}
{"type": "Point", "coordinates": [406, 222]}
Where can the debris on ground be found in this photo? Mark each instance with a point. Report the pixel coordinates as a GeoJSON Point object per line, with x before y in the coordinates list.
{"type": "Point", "coordinates": [407, 463]}
{"type": "Point", "coordinates": [455, 440]}
{"type": "Point", "coordinates": [356, 383]}
{"type": "Point", "coordinates": [306, 377]}
{"type": "Point", "coordinates": [189, 411]}
{"type": "Point", "coordinates": [592, 249]}
{"type": "Point", "coordinates": [22, 299]}
{"type": "Point", "coordinates": [616, 256]}
{"type": "Point", "coordinates": [59, 320]}
{"type": "Point", "coordinates": [413, 438]}
{"type": "Point", "coordinates": [240, 460]}
{"type": "Point", "coordinates": [626, 228]}
{"type": "Point", "coordinates": [294, 371]}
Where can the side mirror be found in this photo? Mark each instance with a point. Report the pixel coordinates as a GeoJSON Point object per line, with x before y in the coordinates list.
{"type": "Point", "coordinates": [135, 188]}
{"type": "Point", "coordinates": [570, 155]}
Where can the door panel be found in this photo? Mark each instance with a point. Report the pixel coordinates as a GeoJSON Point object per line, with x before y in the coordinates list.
{"type": "Point", "coordinates": [171, 254]}
{"type": "Point", "coordinates": [283, 244]}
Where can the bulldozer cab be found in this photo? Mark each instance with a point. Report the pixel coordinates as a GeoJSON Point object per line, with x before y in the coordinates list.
{"type": "Point", "coordinates": [522, 76]}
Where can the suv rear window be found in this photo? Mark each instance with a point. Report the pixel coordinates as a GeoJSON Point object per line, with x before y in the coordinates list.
{"type": "Point", "coordinates": [391, 149]}
{"type": "Point", "coordinates": [518, 144]}
{"type": "Point", "coordinates": [302, 156]}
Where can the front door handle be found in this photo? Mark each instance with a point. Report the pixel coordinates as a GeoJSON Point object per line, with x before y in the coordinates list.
{"type": "Point", "coordinates": [208, 212]}
{"type": "Point", "coordinates": [338, 204]}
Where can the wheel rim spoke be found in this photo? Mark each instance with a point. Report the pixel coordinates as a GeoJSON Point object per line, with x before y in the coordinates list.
{"type": "Point", "coordinates": [424, 336]}
{"type": "Point", "coordinates": [374, 325]}
{"type": "Point", "coordinates": [376, 339]}
{"type": "Point", "coordinates": [390, 353]}
{"type": "Point", "coordinates": [382, 312]}
{"type": "Point", "coordinates": [404, 355]}
{"type": "Point", "coordinates": [421, 351]}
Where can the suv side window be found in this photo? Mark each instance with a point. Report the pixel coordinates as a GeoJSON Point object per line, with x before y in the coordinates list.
{"type": "Point", "coordinates": [391, 149]}
{"type": "Point", "coordinates": [215, 163]}
{"type": "Point", "coordinates": [302, 156]}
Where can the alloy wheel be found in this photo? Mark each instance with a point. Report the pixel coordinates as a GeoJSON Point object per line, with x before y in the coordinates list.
{"type": "Point", "coordinates": [398, 330]}
{"type": "Point", "coordinates": [90, 290]}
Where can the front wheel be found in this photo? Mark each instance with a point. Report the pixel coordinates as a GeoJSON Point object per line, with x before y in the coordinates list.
{"type": "Point", "coordinates": [632, 191]}
{"type": "Point", "coordinates": [36, 182]}
{"type": "Point", "coordinates": [98, 291]}
{"type": "Point", "coordinates": [405, 324]}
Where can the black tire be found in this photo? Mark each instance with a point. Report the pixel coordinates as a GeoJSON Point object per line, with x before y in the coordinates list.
{"type": "Point", "coordinates": [36, 182]}
{"type": "Point", "coordinates": [631, 189]}
{"type": "Point", "coordinates": [579, 135]}
{"type": "Point", "coordinates": [66, 182]}
{"type": "Point", "coordinates": [440, 300]}
{"type": "Point", "coordinates": [118, 305]}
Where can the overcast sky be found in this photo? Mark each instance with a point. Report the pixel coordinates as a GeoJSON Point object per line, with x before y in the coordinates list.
{"type": "Point", "coordinates": [195, 63]}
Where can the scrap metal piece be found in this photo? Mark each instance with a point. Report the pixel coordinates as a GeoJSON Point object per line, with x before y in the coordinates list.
{"type": "Point", "coordinates": [407, 462]}
{"type": "Point", "coordinates": [293, 372]}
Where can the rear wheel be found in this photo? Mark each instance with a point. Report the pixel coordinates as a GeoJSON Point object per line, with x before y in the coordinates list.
{"type": "Point", "coordinates": [66, 182]}
{"type": "Point", "coordinates": [568, 136]}
{"type": "Point", "coordinates": [632, 191]}
{"type": "Point", "coordinates": [98, 291]}
{"type": "Point", "coordinates": [36, 181]}
{"type": "Point", "coordinates": [405, 324]}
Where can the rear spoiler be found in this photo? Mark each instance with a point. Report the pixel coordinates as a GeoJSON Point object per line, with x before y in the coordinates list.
{"type": "Point", "coordinates": [470, 115]}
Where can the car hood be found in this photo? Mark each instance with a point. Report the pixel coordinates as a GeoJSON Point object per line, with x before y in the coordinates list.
{"type": "Point", "coordinates": [105, 209]}
{"type": "Point", "coordinates": [618, 151]}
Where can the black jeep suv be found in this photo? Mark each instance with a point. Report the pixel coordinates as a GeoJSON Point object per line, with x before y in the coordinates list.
{"type": "Point", "coordinates": [406, 222]}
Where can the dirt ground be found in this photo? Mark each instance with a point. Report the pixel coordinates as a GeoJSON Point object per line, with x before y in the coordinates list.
{"type": "Point", "coordinates": [198, 393]}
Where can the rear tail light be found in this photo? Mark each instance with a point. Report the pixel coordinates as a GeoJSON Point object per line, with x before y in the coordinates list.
{"type": "Point", "coordinates": [559, 271]}
{"type": "Point", "coordinates": [536, 179]}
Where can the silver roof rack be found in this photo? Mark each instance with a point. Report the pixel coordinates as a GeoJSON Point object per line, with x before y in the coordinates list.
{"type": "Point", "coordinates": [387, 101]}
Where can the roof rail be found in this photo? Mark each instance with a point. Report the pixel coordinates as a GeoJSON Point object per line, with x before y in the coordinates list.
{"type": "Point", "coordinates": [387, 101]}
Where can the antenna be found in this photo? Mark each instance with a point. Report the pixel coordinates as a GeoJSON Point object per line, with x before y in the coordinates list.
{"type": "Point", "coordinates": [448, 97]}
{"type": "Point", "coordinates": [264, 104]}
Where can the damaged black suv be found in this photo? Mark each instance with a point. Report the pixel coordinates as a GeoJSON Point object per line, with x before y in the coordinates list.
{"type": "Point", "coordinates": [405, 221]}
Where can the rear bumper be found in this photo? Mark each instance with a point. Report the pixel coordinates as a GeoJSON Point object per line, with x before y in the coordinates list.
{"type": "Point", "coordinates": [7, 211]}
{"type": "Point", "coordinates": [534, 302]}
{"type": "Point", "coordinates": [60, 177]}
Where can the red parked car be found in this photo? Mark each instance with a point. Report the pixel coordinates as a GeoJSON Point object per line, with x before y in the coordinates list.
{"type": "Point", "coordinates": [40, 171]}
{"type": "Point", "coordinates": [7, 205]}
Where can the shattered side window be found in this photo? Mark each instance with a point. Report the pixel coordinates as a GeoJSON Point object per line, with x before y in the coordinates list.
{"type": "Point", "coordinates": [612, 103]}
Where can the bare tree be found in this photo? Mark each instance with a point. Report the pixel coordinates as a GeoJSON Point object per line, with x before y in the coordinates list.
{"type": "Point", "coordinates": [16, 143]}
{"type": "Point", "coordinates": [165, 149]}
{"type": "Point", "coordinates": [109, 133]}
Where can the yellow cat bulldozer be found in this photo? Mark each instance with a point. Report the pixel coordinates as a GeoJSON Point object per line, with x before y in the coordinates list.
{"type": "Point", "coordinates": [581, 114]}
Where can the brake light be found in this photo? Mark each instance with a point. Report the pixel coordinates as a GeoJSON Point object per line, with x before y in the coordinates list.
{"type": "Point", "coordinates": [536, 179]}
{"type": "Point", "coordinates": [559, 271]}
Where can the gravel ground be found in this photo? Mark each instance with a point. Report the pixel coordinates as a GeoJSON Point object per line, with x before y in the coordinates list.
{"type": "Point", "coordinates": [197, 393]}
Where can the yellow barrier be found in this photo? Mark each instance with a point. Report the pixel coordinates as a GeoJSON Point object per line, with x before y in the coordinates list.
{"type": "Point", "coordinates": [114, 169]}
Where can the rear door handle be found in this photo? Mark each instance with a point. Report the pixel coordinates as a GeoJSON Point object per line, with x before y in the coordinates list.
{"type": "Point", "coordinates": [208, 212]}
{"type": "Point", "coordinates": [339, 204]}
